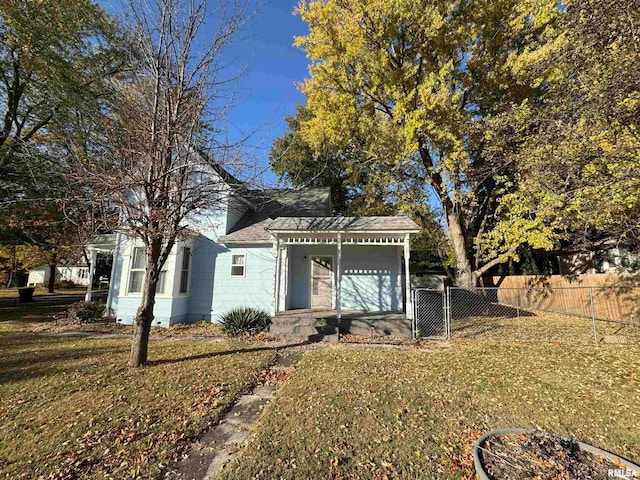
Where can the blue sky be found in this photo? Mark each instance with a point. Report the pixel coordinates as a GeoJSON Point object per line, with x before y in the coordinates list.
{"type": "Point", "coordinates": [267, 92]}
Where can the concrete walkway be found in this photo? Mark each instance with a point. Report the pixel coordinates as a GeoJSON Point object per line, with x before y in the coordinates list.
{"type": "Point", "coordinates": [205, 459]}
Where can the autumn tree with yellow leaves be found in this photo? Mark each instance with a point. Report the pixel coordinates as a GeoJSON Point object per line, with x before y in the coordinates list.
{"type": "Point", "coordinates": [580, 164]}
{"type": "Point", "coordinates": [427, 86]}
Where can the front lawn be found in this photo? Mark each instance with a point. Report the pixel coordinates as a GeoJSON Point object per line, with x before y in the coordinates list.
{"type": "Point", "coordinates": [41, 291]}
{"type": "Point", "coordinates": [71, 408]}
{"type": "Point", "coordinates": [48, 317]}
{"type": "Point", "coordinates": [31, 316]}
{"type": "Point", "coordinates": [416, 414]}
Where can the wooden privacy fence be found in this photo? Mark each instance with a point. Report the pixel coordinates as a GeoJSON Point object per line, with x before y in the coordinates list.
{"type": "Point", "coordinates": [603, 296]}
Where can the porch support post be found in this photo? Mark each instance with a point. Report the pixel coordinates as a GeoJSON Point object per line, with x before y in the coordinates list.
{"type": "Point", "coordinates": [399, 282]}
{"type": "Point", "coordinates": [338, 276]}
{"type": "Point", "coordinates": [92, 271]}
{"type": "Point", "coordinates": [407, 276]}
{"type": "Point", "coordinates": [283, 291]}
{"type": "Point", "coordinates": [276, 280]}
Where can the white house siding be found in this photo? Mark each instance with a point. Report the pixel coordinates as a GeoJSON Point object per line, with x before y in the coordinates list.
{"type": "Point", "coordinates": [255, 289]}
{"type": "Point", "coordinates": [369, 276]}
{"type": "Point", "coordinates": [38, 275]}
{"type": "Point", "coordinates": [76, 274]}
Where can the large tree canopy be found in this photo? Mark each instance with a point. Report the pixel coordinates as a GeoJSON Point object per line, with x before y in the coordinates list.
{"type": "Point", "coordinates": [425, 87]}
{"type": "Point", "coordinates": [56, 62]}
{"type": "Point", "coordinates": [580, 164]}
{"type": "Point", "coordinates": [354, 189]}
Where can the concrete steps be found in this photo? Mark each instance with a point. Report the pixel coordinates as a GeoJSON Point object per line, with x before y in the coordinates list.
{"type": "Point", "coordinates": [305, 328]}
{"type": "Point", "coordinates": [315, 326]}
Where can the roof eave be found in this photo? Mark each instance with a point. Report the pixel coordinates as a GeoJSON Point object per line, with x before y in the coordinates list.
{"type": "Point", "coordinates": [245, 242]}
{"type": "Point", "coordinates": [377, 232]}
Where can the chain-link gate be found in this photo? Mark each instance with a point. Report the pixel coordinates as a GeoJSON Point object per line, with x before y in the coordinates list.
{"type": "Point", "coordinates": [430, 313]}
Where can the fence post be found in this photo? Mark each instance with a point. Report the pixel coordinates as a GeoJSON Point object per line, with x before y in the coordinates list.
{"type": "Point", "coordinates": [414, 307]}
{"type": "Point", "coordinates": [448, 317]}
{"type": "Point", "coordinates": [519, 328]}
{"type": "Point", "coordinates": [593, 315]}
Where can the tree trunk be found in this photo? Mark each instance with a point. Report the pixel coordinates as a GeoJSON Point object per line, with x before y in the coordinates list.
{"type": "Point", "coordinates": [144, 315]}
{"type": "Point", "coordinates": [140, 344]}
{"type": "Point", "coordinates": [52, 272]}
{"type": "Point", "coordinates": [14, 266]}
{"type": "Point", "coordinates": [143, 322]}
{"type": "Point", "coordinates": [465, 277]}
{"type": "Point", "coordinates": [142, 325]}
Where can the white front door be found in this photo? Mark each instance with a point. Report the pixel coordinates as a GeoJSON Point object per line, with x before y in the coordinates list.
{"type": "Point", "coordinates": [321, 282]}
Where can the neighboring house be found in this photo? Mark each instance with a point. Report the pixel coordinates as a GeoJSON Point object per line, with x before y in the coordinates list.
{"type": "Point", "coordinates": [614, 259]}
{"type": "Point", "coordinates": [275, 250]}
{"type": "Point", "coordinates": [100, 251]}
{"type": "Point", "coordinates": [78, 274]}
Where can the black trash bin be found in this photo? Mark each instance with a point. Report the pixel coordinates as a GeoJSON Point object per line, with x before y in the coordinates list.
{"type": "Point", "coordinates": [26, 294]}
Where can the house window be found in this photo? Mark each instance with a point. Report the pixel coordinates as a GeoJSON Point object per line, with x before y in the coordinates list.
{"type": "Point", "coordinates": [237, 264]}
{"type": "Point", "coordinates": [161, 281]}
{"type": "Point", "coordinates": [136, 275]}
{"type": "Point", "coordinates": [184, 273]}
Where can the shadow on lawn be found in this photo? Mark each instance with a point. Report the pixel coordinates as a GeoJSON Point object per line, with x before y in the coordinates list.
{"type": "Point", "coordinates": [52, 361]}
{"type": "Point", "coordinates": [477, 329]}
{"type": "Point", "coordinates": [200, 356]}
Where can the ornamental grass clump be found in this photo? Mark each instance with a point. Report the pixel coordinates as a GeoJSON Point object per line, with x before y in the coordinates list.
{"type": "Point", "coordinates": [244, 320]}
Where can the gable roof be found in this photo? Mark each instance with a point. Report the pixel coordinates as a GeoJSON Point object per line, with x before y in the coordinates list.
{"type": "Point", "coordinates": [226, 177]}
{"type": "Point", "coordinates": [273, 203]}
{"type": "Point", "coordinates": [344, 224]}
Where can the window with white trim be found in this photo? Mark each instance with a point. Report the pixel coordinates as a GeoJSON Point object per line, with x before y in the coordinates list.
{"type": "Point", "coordinates": [238, 264]}
{"type": "Point", "coordinates": [184, 273]}
{"type": "Point", "coordinates": [137, 270]}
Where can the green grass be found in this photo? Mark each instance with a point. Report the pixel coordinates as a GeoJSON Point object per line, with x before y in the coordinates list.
{"type": "Point", "coordinates": [21, 316]}
{"type": "Point", "coordinates": [71, 408]}
{"type": "Point", "coordinates": [416, 414]}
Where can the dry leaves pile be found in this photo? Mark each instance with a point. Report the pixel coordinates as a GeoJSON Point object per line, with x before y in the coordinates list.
{"type": "Point", "coordinates": [275, 376]}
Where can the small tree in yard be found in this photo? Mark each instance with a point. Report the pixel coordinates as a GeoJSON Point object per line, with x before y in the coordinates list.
{"type": "Point", "coordinates": [154, 173]}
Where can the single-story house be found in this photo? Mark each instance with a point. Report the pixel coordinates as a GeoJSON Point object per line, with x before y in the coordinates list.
{"type": "Point", "coordinates": [100, 250]}
{"type": "Point", "coordinates": [276, 250]}
{"type": "Point", "coordinates": [76, 273]}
